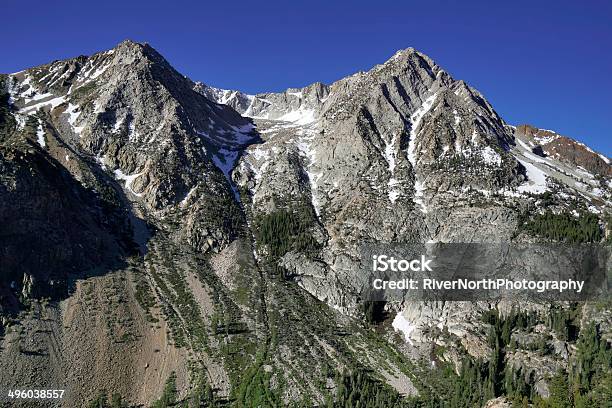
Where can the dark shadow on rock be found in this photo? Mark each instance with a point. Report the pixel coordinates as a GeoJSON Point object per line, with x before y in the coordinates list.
{"type": "Point", "coordinates": [54, 230]}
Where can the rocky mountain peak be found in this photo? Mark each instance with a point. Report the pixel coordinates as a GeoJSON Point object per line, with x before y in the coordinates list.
{"type": "Point", "coordinates": [411, 58]}
{"type": "Point", "coordinates": [127, 112]}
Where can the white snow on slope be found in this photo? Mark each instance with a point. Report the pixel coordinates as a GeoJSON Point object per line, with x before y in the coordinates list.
{"type": "Point", "coordinates": [304, 146]}
{"type": "Point", "coordinates": [224, 160]}
{"type": "Point", "coordinates": [118, 124]}
{"type": "Point", "coordinates": [547, 139]}
{"type": "Point", "coordinates": [132, 132]}
{"type": "Point", "coordinates": [227, 149]}
{"type": "Point", "coordinates": [300, 116]}
{"type": "Point", "coordinates": [457, 117]}
{"type": "Point", "coordinates": [402, 325]}
{"type": "Point", "coordinates": [40, 134]}
{"type": "Point", "coordinates": [536, 182]}
{"type": "Point", "coordinates": [101, 161]}
{"type": "Point", "coordinates": [187, 196]}
{"type": "Point", "coordinates": [74, 112]}
{"type": "Point", "coordinates": [412, 154]}
{"type": "Point", "coordinates": [47, 99]}
{"type": "Point", "coordinates": [536, 177]}
{"type": "Point", "coordinates": [419, 190]}
{"type": "Point", "coordinates": [490, 156]}
{"type": "Point", "coordinates": [93, 69]}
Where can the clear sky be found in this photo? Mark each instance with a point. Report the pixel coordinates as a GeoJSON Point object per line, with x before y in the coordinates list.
{"type": "Point", "coordinates": [548, 63]}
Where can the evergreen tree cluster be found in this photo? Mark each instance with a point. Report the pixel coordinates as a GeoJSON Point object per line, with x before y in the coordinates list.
{"type": "Point", "coordinates": [564, 322]}
{"type": "Point", "coordinates": [286, 230]}
{"type": "Point", "coordinates": [565, 227]}
{"type": "Point", "coordinates": [479, 380]}
{"type": "Point", "coordinates": [588, 383]}
{"type": "Point", "coordinates": [358, 388]}
{"type": "Point", "coordinates": [592, 377]}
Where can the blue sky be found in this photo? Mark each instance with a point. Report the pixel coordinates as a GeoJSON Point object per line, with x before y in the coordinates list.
{"type": "Point", "coordinates": [548, 63]}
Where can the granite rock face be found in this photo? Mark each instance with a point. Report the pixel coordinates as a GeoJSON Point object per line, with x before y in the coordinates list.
{"type": "Point", "coordinates": [401, 153]}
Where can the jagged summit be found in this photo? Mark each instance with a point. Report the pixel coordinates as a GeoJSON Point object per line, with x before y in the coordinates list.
{"type": "Point", "coordinates": [130, 113]}
{"type": "Point", "coordinates": [458, 124]}
{"type": "Point", "coordinates": [410, 55]}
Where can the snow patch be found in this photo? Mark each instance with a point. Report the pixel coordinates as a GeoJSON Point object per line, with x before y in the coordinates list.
{"type": "Point", "coordinates": [412, 156]}
{"type": "Point", "coordinates": [457, 117]}
{"type": "Point", "coordinates": [402, 325]}
{"type": "Point", "coordinates": [118, 124]}
{"type": "Point", "coordinates": [132, 133]}
{"type": "Point", "coordinates": [98, 107]}
{"type": "Point", "coordinates": [225, 160]}
{"type": "Point", "coordinates": [300, 116]}
{"type": "Point", "coordinates": [593, 209]}
{"type": "Point", "coordinates": [475, 137]}
{"type": "Point", "coordinates": [416, 121]}
{"type": "Point", "coordinates": [419, 190]}
{"type": "Point", "coordinates": [74, 112]}
{"type": "Point", "coordinates": [40, 134]}
{"type": "Point", "coordinates": [390, 150]}
{"type": "Point", "coordinates": [47, 99]}
{"type": "Point", "coordinates": [101, 161]}
{"type": "Point", "coordinates": [260, 154]}
{"type": "Point", "coordinates": [490, 156]}
{"type": "Point", "coordinates": [547, 139]}
{"type": "Point", "coordinates": [304, 146]}
{"type": "Point", "coordinates": [229, 150]}
{"type": "Point", "coordinates": [536, 182]}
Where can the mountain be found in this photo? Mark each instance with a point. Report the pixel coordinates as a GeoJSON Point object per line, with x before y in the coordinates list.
{"type": "Point", "coordinates": [162, 236]}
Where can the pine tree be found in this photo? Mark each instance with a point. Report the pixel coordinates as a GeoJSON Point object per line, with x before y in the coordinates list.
{"type": "Point", "coordinates": [559, 391]}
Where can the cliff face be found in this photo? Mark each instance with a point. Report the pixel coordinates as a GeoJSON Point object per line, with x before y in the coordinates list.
{"type": "Point", "coordinates": [153, 225]}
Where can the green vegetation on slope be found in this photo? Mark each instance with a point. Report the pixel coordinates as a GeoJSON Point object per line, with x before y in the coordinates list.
{"type": "Point", "coordinates": [101, 401]}
{"type": "Point", "coordinates": [286, 230]}
{"type": "Point", "coordinates": [359, 389]}
{"type": "Point", "coordinates": [169, 396]}
{"type": "Point", "coordinates": [564, 227]}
